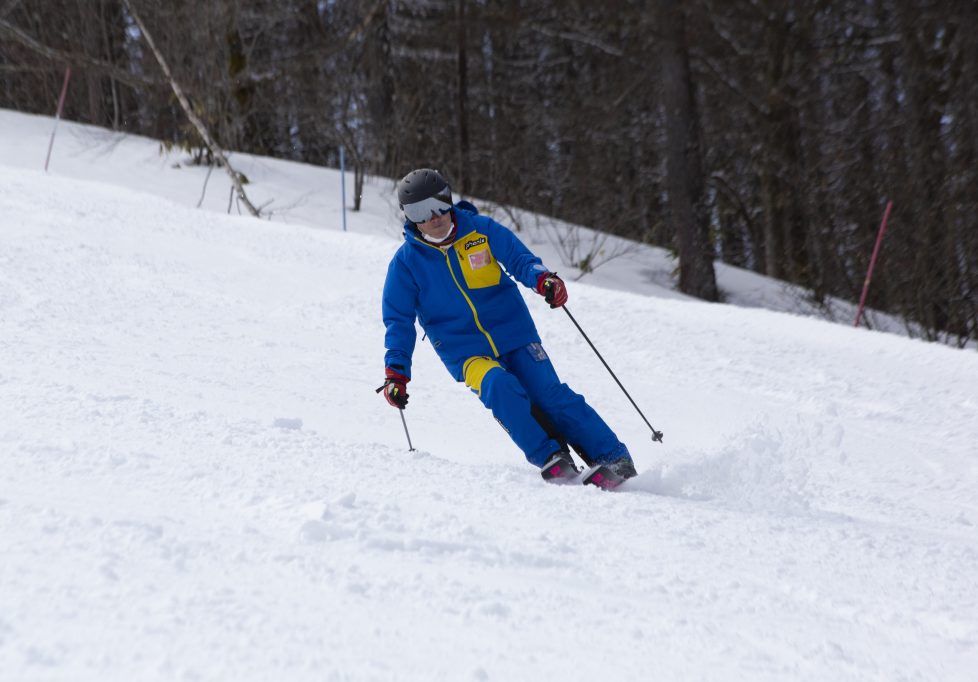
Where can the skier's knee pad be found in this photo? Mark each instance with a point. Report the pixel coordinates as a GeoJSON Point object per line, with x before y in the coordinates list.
{"type": "Point", "coordinates": [475, 371]}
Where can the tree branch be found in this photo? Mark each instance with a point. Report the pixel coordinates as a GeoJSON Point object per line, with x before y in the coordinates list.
{"type": "Point", "coordinates": [8, 7]}
{"type": "Point", "coordinates": [721, 182]}
{"type": "Point", "coordinates": [74, 59]}
{"type": "Point", "coordinates": [323, 52]}
{"type": "Point", "coordinates": [756, 106]}
{"type": "Point", "coordinates": [584, 39]}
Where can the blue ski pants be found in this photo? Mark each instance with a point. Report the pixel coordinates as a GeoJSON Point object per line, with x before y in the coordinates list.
{"type": "Point", "coordinates": [524, 377]}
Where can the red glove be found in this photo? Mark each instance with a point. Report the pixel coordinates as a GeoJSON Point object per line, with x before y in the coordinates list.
{"type": "Point", "coordinates": [395, 388]}
{"type": "Point", "coordinates": [552, 288]}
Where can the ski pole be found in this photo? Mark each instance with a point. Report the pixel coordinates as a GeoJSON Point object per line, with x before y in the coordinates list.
{"type": "Point", "coordinates": [656, 435]}
{"type": "Point", "coordinates": [404, 421]}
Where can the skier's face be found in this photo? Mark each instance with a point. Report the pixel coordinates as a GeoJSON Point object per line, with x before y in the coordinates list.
{"type": "Point", "coordinates": [438, 227]}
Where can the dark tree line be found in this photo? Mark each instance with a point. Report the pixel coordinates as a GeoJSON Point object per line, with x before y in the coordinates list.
{"type": "Point", "coordinates": [768, 134]}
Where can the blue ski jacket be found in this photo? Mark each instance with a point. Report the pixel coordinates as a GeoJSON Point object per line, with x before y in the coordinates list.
{"type": "Point", "coordinates": [464, 295]}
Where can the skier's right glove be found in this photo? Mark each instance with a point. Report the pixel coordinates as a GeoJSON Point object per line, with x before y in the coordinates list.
{"type": "Point", "coordinates": [395, 388]}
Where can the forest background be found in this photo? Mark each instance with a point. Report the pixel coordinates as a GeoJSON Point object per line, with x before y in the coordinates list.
{"type": "Point", "coordinates": [767, 134]}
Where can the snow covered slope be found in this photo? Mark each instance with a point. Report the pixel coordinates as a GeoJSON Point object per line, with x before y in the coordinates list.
{"type": "Point", "coordinates": [197, 480]}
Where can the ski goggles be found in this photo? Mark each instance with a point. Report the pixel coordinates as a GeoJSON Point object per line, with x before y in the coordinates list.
{"type": "Point", "coordinates": [422, 211]}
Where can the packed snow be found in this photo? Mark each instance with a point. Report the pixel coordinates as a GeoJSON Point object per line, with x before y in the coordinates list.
{"type": "Point", "coordinates": [198, 481]}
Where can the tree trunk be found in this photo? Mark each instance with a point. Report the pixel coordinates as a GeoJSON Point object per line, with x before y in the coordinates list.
{"type": "Point", "coordinates": [684, 165]}
{"type": "Point", "coordinates": [463, 95]}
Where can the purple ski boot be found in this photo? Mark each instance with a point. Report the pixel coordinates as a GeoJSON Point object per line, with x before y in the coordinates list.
{"type": "Point", "coordinates": [560, 468]}
{"type": "Point", "coordinates": [610, 475]}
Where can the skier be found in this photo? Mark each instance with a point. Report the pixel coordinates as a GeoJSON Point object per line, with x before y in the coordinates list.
{"type": "Point", "coordinates": [454, 273]}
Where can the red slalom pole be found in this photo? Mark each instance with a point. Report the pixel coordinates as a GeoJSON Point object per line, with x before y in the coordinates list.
{"type": "Point", "coordinates": [57, 117]}
{"type": "Point", "coordinates": [872, 262]}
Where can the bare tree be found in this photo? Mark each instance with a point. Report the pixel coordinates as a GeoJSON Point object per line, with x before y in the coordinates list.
{"type": "Point", "coordinates": [215, 149]}
{"type": "Point", "coordinates": [776, 129]}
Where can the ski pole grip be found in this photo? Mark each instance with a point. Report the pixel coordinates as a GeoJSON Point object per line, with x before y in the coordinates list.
{"type": "Point", "coordinates": [548, 291]}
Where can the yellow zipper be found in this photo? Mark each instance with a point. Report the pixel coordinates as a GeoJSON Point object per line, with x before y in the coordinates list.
{"type": "Point", "coordinates": [468, 300]}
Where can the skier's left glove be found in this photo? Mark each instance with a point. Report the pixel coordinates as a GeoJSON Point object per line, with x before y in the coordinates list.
{"type": "Point", "coordinates": [552, 288]}
{"type": "Point", "coordinates": [395, 388]}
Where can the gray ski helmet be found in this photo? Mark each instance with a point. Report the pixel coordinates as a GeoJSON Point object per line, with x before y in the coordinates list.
{"type": "Point", "coordinates": [421, 184]}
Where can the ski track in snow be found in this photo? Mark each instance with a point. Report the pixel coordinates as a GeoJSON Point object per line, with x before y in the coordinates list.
{"type": "Point", "coordinates": [198, 481]}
